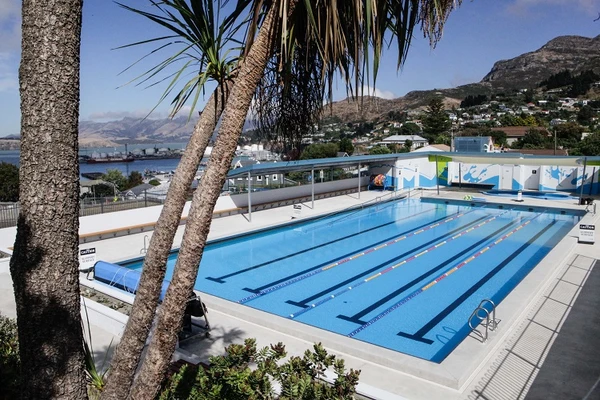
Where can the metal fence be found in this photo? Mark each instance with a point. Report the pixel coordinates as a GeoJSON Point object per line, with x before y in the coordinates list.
{"type": "Point", "coordinates": [9, 212]}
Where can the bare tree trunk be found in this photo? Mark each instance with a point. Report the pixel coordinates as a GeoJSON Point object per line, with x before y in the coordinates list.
{"type": "Point", "coordinates": [129, 350]}
{"type": "Point", "coordinates": [170, 315]}
{"type": "Point", "coordinates": [44, 265]}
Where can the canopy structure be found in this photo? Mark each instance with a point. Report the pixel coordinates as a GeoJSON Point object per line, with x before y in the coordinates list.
{"type": "Point", "coordinates": [390, 159]}
{"type": "Point", "coordinates": [514, 158]}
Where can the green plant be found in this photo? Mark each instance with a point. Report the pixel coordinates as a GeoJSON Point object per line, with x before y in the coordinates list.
{"type": "Point", "coordinates": [230, 376]}
{"type": "Point", "coordinates": [9, 182]}
{"type": "Point", "coordinates": [95, 378]}
{"type": "Point", "coordinates": [10, 363]}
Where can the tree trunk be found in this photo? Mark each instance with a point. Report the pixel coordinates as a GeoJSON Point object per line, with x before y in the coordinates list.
{"type": "Point", "coordinates": [129, 350]}
{"type": "Point", "coordinates": [170, 315]}
{"type": "Point", "coordinates": [44, 265]}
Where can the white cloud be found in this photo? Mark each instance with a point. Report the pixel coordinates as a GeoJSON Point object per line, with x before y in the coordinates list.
{"type": "Point", "coordinates": [522, 6]}
{"type": "Point", "coordinates": [10, 25]}
{"type": "Point", "coordinates": [384, 94]}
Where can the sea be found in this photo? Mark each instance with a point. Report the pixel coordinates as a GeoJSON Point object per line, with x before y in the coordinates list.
{"type": "Point", "coordinates": [156, 165]}
{"type": "Point", "coordinates": [161, 165]}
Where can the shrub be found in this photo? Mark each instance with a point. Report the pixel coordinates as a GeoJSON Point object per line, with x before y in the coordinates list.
{"type": "Point", "coordinates": [10, 364]}
{"type": "Point", "coordinates": [231, 377]}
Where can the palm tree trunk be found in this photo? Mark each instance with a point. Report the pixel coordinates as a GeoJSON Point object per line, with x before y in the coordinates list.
{"type": "Point", "coordinates": [129, 350]}
{"type": "Point", "coordinates": [45, 262]}
{"type": "Point", "coordinates": [170, 315]}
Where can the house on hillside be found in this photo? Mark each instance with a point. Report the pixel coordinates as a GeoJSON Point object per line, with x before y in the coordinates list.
{"type": "Point", "coordinates": [417, 141]}
{"type": "Point", "coordinates": [514, 133]}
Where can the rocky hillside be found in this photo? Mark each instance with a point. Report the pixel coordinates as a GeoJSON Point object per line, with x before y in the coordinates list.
{"type": "Point", "coordinates": [575, 53]}
{"type": "Point", "coordinates": [132, 130]}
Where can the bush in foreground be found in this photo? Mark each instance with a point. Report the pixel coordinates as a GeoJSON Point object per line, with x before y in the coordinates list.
{"type": "Point", "coordinates": [246, 373]}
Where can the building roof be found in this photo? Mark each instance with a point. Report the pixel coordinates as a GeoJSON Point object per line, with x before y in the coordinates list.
{"type": "Point", "coordinates": [541, 152]}
{"type": "Point", "coordinates": [433, 147]}
{"type": "Point", "coordinates": [404, 138]}
{"type": "Point", "coordinates": [519, 131]}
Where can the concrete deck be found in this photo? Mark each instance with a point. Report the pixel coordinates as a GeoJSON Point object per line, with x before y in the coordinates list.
{"type": "Point", "coordinates": [503, 368]}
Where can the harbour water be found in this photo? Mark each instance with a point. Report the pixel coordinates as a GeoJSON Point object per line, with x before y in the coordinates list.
{"type": "Point", "coordinates": [166, 165]}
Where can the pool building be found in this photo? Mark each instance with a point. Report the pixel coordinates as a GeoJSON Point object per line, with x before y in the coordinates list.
{"type": "Point", "coordinates": [402, 267]}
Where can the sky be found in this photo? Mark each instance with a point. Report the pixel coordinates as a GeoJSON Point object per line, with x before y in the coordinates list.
{"type": "Point", "coordinates": [477, 34]}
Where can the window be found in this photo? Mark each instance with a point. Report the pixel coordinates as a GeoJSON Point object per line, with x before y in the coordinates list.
{"type": "Point", "coordinates": [274, 177]}
{"type": "Point", "coordinates": [259, 178]}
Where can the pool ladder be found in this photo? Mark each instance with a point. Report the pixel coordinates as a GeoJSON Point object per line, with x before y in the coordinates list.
{"type": "Point", "coordinates": [481, 313]}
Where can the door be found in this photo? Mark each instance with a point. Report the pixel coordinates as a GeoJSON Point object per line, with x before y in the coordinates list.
{"type": "Point", "coordinates": [506, 178]}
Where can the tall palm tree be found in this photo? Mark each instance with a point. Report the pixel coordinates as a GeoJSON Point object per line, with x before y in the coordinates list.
{"type": "Point", "coordinates": [201, 41]}
{"type": "Point", "coordinates": [369, 21]}
{"type": "Point", "coordinates": [45, 262]}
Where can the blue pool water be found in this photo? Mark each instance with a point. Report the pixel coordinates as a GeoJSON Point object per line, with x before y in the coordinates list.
{"type": "Point", "coordinates": [404, 275]}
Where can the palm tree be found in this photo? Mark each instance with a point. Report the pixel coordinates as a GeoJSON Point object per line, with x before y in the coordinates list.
{"type": "Point", "coordinates": [44, 265]}
{"type": "Point", "coordinates": [202, 42]}
{"type": "Point", "coordinates": [368, 21]}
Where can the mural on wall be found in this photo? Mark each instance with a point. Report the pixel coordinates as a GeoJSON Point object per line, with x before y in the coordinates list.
{"type": "Point", "coordinates": [408, 175]}
{"type": "Point", "coordinates": [479, 174]}
{"type": "Point", "coordinates": [560, 178]}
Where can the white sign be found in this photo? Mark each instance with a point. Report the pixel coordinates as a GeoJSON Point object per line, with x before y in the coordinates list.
{"type": "Point", "coordinates": [321, 174]}
{"type": "Point", "coordinates": [87, 258]}
{"type": "Point", "coordinates": [297, 212]}
{"type": "Point", "coordinates": [586, 233]}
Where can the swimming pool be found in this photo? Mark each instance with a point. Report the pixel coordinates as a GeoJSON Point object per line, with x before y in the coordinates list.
{"type": "Point", "coordinates": [405, 275]}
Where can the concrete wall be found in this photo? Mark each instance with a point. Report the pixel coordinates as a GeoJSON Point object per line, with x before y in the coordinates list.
{"type": "Point", "coordinates": [270, 196]}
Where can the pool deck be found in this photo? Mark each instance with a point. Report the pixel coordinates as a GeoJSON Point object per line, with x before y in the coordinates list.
{"type": "Point", "coordinates": [532, 317]}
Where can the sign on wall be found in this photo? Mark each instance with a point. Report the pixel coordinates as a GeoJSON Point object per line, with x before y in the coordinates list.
{"type": "Point", "coordinates": [87, 258]}
{"type": "Point", "coordinates": [586, 233]}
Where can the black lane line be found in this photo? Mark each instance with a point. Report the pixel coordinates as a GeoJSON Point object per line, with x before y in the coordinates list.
{"type": "Point", "coordinates": [303, 303]}
{"type": "Point", "coordinates": [220, 279]}
{"type": "Point", "coordinates": [356, 318]}
{"type": "Point", "coordinates": [270, 284]}
{"type": "Point", "coordinates": [418, 336]}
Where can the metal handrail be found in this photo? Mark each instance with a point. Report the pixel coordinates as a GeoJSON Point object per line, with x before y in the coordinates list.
{"type": "Point", "coordinates": [489, 317]}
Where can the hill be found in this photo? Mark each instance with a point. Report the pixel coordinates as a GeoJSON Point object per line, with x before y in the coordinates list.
{"type": "Point", "coordinates": [574, 53]}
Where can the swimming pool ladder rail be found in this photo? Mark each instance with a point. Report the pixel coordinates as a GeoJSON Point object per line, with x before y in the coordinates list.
{"type": "Point", "coordinates": [483, 314]}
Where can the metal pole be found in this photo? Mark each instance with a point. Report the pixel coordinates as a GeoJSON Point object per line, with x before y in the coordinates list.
{"type": "Point", "coordinates": [359, 180]}
{"type": "Point", "coordinates": [582, 179]}
{"type": "Point", "coordinates": [592, 183]}
{"type": "Point", "coordinates": [460, 175]}
{"type": "Point", "coordinates": [249, 198]}
{"type": "Point", "coordinates": [312, 184]}
{"type": "Point", "coordinates": [437, 177]}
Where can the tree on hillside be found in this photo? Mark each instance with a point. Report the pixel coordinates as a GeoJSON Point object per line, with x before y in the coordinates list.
{"type": "Point", "coordinates": [435, 121]}
{"type": "Point", "coordinates": [410, 128]}
{"type": "Point", "coordinates": [533, 139]}
{"type": "Point", "coordinates": [115, 177]}
{"type": "Point", "coordinates": [134, 179]}
{"type": "Point", "coordinates": [589, 146]}
{"type": "Point", "coordinates": [380, 150]}
{"type": "Point", "coordinates": [9, 182]}
{"type": "Point", "coordinates": [585, 115]}
{"type": "Point", "coordinates": [45, 261]}
{"type": "Point", "coordinates": [568, 135]}
{"type": "Point", "coordinates": [319, 150]}
{"type": "Point", "coordinates": [346, 146]}
{"type": "Point", "coordinates": [276, 23]}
